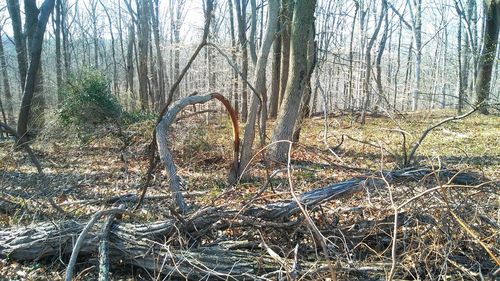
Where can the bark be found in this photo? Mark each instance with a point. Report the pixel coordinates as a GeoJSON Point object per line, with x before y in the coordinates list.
{"type": "Point", "coordinates": [490, 40]}
{"type": "Point", "coordinates": [235, 95]}
{"type": "Point", "coordinates": [259, 103]}
{"type": "Point", "coordinates": [461, 88]}
{"type": "Point", "coordinates": [275, 76]}
{"type": "Point", "coordinates": [143, 43]}
{"type": "Point", "coordinates": [159, 57]}
{"type": "Point", "coordinates": [286, 25]}
{"type": "Point", "coordinates": [34, 66]}
{"type": "Point", "coordinates": [162, 135]}
{"type": "Point", "coordinates": [378, 61]}
{"type": "Point", "coordinates": [65, 38]}
{"type": "Point", "coordinates": [416, 15]}
{"type": "Point", "coordinates": [57, 31]}
{"type": "Point", "coordinates": [253, 29]}
{"type": "Point", "coordinates": [350, 96]}
{"type": "Point", "coordinates": [312, 58]}
{"type": "Point", "coordinates": [19, 39]}
{"type": "Point", "coordinates": [368, 63]}
{"type": "Point", "coordinates": [130, 66]}
{"type": "Point", "coordinates": [6, 84]}
{"type": "Point", "coordinates": [241, 8]}
{"type": "Point", "coordinates": [303, 17]}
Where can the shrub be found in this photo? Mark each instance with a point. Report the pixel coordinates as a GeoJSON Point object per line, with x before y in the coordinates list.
{"type": "Point", "coordinates": [88, 101]}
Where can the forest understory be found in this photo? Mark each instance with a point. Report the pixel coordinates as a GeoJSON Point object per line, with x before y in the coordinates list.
{"type": "Point", "coordinates": [362, 215]}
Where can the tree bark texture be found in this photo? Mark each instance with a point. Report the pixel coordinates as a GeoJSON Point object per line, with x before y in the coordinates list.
{"type": "Point", "coordinates": [34, 66]}
{"type": "Point", "coordinates": [490, 40]}
{"type": "Point", "coordinates": [303, 17]}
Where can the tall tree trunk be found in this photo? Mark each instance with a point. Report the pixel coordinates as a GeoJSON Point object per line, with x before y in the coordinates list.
{"type": "Point", "coordinates": [490, 40]}
{"type": "Point", "coordinates": [130, 66]}
{"type": "Point", "coordinates": [305, 109]}
{"type": "Point", "coordinates": [241, 8]}
{"type": "Point", "coordinates": [378, 62]}
{"type": "Point", "coordinates": [303, 17]}
{"type": "Point", "coordinates": [59, 66]}
{"type": "Point", "coordinates": [36, 121]}
{"type": "Point", "coordinates": [461, 88]}
{"type": "Point", "coordinates": [260, 86]}
{"type": "Point", "coordinates": [19, 39]}
{"type": "Point", "coordinates": [65, 38]}
{"type": "Point", "coordinates": [368, 62]}
{"type": "Point", "coordinates": [253, 31]}
{"type": "Point", "coordinates": [6, 86]}
{"type": "Point", "coordinates": [275, 76]}
{"type": "Point", "coordinates": [159, 56]}
{"type": "Point", "coordinates": [286, 25]}
{"type": "Point", "coordinates": [416, 15]}
{"type": "Point", "coordinates": [143, 30]}
{"type": "Point", "coordinates": [350, 95]}
{"type": "Point", "coordinates": [34, 66]}
{"type": "Point", "coordinates": [233, 57]}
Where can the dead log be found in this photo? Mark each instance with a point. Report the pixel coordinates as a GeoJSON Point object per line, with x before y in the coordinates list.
{"type": "Point", "coordinates": [143, 245]}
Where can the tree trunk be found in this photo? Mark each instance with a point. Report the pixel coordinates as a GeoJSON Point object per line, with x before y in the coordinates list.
{"type": "Point", "coordinates": [350, 96]}
{"type": "Point", "coordinates": [233, 57]}
{"type": "Point", "coordinates": [34, 66]}
{"type": "Point", "coordinates": [416, 15]}
{"type": "Point", "coordinates": [130, 66]}
{"type": "Point", "coordinates": [258, 106]}
{"type": "Point", "coordinates": [368, 63]}
{"type": "Point", "coordinates": [303, 17]}
{"type": "Point", "coordinates": [19, 39]}
{"type": "Point", "coordinates": [143, 30]}
{"type": "Point", "coordinates": [161, 65]}
{"type": "Point", "coordinates": [57, 32]}
{"type": "Point", "coordinates": [312, 58]}
{"type": "Point", "coordinates": [490, 39]}
{"type": "Point", "coordinates": [241, 8]}
{"type": "Point", "coordinates": [286, 25]}
{"type": "Point", "coordinates": [275, 77]}
{"type": "Point", "coordinates": [6, 85]}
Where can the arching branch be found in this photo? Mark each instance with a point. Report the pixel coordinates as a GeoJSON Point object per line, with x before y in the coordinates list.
{"type": "Point", "coordinates": [162, 135]}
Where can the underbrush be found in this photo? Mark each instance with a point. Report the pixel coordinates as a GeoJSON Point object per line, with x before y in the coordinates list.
{"type": "Point", "coordinates": [443, 229]}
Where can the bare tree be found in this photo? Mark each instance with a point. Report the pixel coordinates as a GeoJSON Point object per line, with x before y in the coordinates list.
{"type": "Point", "coordinates": [35, 56]}
{"type": "Point", "coordinates": [490, 40]}
{"type": "Point", "coordinates": [259, 103]}
{"type": "Point", "coordinates": [6, 85]}
{"type": "Point", "coordinates": [289, 110]}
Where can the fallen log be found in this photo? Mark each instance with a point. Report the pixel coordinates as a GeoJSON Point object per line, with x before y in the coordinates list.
{"type": "Point", "coordinates": [142, 244]}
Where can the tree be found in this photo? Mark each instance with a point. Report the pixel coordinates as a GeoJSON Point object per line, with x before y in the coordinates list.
{"type": "Point", "coordinates": [259, 103]}
{"type": "Point", "coordinates": [34, 66]}
{"type": "Point", "coordinates": [6, 84]}
{"type": "Point", "coordinates": [22, 57]}
{"type": "Point", "coordinates": [143, 42]}
{"type": "Point", "coordinates": [416, 20]}
{"type": "Point", "coordinates": [303, 16]}
{"type": "Point", "coordinates": [490, 40]}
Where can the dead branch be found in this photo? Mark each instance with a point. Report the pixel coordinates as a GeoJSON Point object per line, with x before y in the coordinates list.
{"type": "Point", "coordinates": [143, 244]}
{"type": "Point", "coordinates": [162, 143]}
{"type": "Point", "coordinates": [152, 159]}
{"type": "Point", "coordinates": [428, 130]}
{"type": "Point", "coordinates": [104, 247]}
{"type": "Point", "coordinates": [81, 239]}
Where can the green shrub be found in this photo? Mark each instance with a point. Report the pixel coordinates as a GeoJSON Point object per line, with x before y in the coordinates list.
{"type": "Point", "coordinates": [88, 101]}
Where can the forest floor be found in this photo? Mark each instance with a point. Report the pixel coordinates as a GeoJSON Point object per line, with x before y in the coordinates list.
{"type": "Point", "coordinates": [78, 175]}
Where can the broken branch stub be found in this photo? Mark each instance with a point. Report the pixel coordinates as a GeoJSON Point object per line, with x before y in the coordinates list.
{"type": "Point", "coordinates": [162, 135]}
